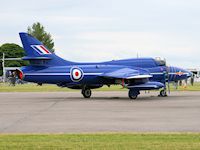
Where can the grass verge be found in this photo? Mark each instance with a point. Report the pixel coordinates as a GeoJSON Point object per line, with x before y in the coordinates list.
{"type": "Point", "coordinates": [53, 88]}
{"type": "Point", "coordinates": [110, 141]}
{"type": "Point", "coordinates": [47, 88]}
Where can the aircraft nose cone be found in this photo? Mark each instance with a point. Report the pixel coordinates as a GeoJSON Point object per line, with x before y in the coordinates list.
{"type": "Point", "coordinates": [177, 74]}
{"type": "Point", "coordinates": [189, 74]}
{"type": "Point", "coordinates": [186, 72]}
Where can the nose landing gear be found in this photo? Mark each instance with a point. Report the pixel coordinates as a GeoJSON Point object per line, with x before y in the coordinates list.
{"type": "Point", "coordinates": [163, 93]}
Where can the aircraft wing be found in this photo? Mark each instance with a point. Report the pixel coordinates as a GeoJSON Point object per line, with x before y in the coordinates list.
{"type": "Point", "coordinates": [127, 73]}
{"type": "Point", "coordinates": [133, 78]}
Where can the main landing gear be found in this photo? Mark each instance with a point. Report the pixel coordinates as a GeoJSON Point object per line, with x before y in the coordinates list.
{"type": "Point", "coordinates": [133, 94]}
{"type": "Point", "coordinates": [86, 93]}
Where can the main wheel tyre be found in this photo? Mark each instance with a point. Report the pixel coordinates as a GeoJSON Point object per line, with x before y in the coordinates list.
{"type": "Point", "coordinates": [133, 94]}
{"type": "Point", "coordinates": [163, 93]}
{"type": "Point", "coordinates": [86, 93]}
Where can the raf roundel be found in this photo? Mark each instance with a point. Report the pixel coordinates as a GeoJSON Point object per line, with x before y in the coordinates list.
{"type": "Point", "coordinates": [76, 74]}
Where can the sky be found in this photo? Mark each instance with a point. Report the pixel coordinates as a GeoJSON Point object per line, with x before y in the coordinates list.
{"type": "Point", "coordinates": [101, 30]}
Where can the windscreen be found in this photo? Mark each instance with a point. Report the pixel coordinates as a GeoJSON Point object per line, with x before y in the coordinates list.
{"type": "Point", "coordinates": [160, 61]}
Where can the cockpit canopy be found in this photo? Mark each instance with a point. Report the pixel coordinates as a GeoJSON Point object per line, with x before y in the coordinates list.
{"type": "Point", "coordinates": [160, 61]}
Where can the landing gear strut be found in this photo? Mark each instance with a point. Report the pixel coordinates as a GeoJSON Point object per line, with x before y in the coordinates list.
{"type": "Point", "coordinates": [86, 93]}
{"type": "Point", "coordinates": [163, 93]}
{"type": "Point", "coordinates": [133, 94]}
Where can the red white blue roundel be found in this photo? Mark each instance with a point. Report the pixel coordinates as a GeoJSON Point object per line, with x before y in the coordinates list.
{"type": "Point", "coordinates": [76, 74]}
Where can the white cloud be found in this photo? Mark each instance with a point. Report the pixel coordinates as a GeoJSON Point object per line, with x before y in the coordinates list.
{"type": "Point", "coordinates": [75, 19]}
{"type": "Point", "coordinates": [111, 29]}
{"type": "Point", "coordinates": [102, 46]}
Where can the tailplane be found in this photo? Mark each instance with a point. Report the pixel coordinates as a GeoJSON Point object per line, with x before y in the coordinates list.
{"type": "Point", "coordinates": [38, 54]}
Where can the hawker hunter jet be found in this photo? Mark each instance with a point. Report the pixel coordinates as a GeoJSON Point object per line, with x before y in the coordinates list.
{"type": "Point", "coordinates": [135, 74]}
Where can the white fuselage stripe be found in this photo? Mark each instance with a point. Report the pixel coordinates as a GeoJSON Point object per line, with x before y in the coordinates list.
{"type": "Point", "coordinates": [174, 73]}
{"type": "Point", "coordinates": [67, 74]}
{"type": "Point", "coordinates": [57, 74]}
{"type": "Point", "coordinates": [156, 73]}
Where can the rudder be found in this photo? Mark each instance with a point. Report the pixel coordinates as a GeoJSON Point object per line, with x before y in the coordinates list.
{"type": "Point", "coordinates": [37, 53]}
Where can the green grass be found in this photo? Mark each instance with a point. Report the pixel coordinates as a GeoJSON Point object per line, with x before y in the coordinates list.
{"type": "Point", "coordinates": [47, 88]}
{"type": "Point", "coordinates": [31, 88]}
{"type": "Point", "coordinates": [54, 88]}
{"type": "Point", "coordinates": [109, 141]}
{"type": "Point", "coordinates": [196, 87]}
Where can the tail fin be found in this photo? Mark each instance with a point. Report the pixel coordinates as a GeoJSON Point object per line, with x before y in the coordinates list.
{"type": "Point", "coordinates": [36, 52]}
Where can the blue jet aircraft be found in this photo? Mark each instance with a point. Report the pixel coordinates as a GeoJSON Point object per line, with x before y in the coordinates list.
{"type": "Point", "coordinates": [134, 74]}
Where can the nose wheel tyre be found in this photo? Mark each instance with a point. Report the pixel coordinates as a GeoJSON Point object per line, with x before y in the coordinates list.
{"type": "Point", "coordinates": [163, 93]}
{"type": "Point", "coordinates": [86, 93]}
